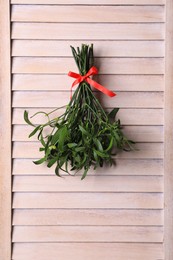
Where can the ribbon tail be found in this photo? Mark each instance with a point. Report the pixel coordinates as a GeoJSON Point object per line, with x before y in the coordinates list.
{"type": "Point", "coordinates": [101, 88]}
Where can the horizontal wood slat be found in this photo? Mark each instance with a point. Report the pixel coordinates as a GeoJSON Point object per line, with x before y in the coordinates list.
{"type": "Point", "coordinates": [91, 184]}
{"type": "Point", "coordinates": [90, 2]}
{"type": "Point", "coordinates": [50, 82]}
{"type": "Point", "coordinates": [87, 251]}
{"type": "Point", "coordinates": [123, 99]}
{"type": "Point", "coordinates": [87, 217]}
{"type": "Point", "coordinates": [123, 167]}
{"type": "Point", "coordinates": [138, 133]}
{"type": "Point", "coordinates": [88, 200]}
{"type": "Point", "coordinates": [145, 151]}
{"type": "Point", "coordinates": [87, 234]}
{"type": "Point", "coordinates": [101, 48]}
{"type": "Point", "coordinates": [87, 14]}
{"type": "Point", "coordinates": [128, 116]}
{"type": "Point", "coordinates": [105, 65]}
{"type": "Point", "coordinates": [94, 32]}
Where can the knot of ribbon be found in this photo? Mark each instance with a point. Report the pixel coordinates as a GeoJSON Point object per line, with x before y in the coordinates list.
{"type": "Point", "coordinates": [92, 71]}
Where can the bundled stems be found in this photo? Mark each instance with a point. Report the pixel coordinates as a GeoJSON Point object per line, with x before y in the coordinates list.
{"type": "Point", "coordinates": [85, 135]}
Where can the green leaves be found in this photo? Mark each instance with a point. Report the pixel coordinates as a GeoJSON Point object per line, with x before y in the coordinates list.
{"type": "Point", "coordinates": [26, 118]}
{"type": "Point", "coordinates": [85, 135]}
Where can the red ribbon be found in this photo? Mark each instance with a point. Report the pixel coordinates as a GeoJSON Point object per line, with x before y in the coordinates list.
{"type": "Point", "coordinates": [93, 71]}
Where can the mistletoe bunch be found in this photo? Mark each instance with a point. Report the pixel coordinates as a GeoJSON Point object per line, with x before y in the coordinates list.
{"type": "Point", "coordinates": [85, 135]}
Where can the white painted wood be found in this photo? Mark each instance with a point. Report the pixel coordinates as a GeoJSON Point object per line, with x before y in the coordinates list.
{"type": "Point", "coordinates": [87, 234]}
{"type": "Point", "coordinates": [129, 196]}
{"type": "Point", "coordinates": [87, 200]}
{"type": "Point", "coordinates": [37, 217]}
{"type": "Point", "coordinates": [87, 14]}
{"type": "Point", "coordinates": [41, 99]}
{"type": "Point", "coordinates": [112, 82]}
{"type": "Point", "coordinates": [65, 251]}
{"type": "Point", "coordinates": [5, 132]}
{"type": "Point", "coordinates": [90, 2]}
{"type": "Point", "coordinates": [65, 31]}
{"type": "Point", "coordinates": [123, 167]}
{"type": "Point", "coordinates": [168, 154]}
{"type": "Point", "coordinates": [91, 184]}
{"type": "Point", "coordinates": [101, 48]}
{"type": "Point", "coordinates": [138, 133]}
{"type": "Point", "coordinates": [128, 116]}
{"type": "Point", "coordinates": [56, 65]}
{"type": "Point", "coordinates": [145, 151]}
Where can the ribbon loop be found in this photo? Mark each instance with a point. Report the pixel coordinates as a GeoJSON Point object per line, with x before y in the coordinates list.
{"type": "Point", "coordinates": [92, 71]}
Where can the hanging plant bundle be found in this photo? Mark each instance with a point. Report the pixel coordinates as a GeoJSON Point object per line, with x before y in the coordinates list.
{"type": "Point", "coordinates": [85, 135]}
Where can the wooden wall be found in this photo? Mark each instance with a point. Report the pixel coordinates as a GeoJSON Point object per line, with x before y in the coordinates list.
{"type": "Point", "coordinates": [115, 213]}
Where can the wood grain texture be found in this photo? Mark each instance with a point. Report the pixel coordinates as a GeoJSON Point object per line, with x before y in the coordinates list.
{"type": "Point", "coordinates": [87, 234]}
{"type": "Point", "coordinates": [87, 251]}
{"type": "Point", "coordinates": [37, 217]}
{"type": "Point", "coordinates": [87, 200]}
{"type": "Point", "coordinates": [55, 65]}
{"type": "Point", "coordinates": [123, 203]}
{"type": "Point", "coordinates": [52, 99]}
{"type": "Point", "coordinates": [91, 184]}
{"type": "Point", "coordinates": [168, 152]}
{"type": "Point", "coordinates": [91, 2]}
{"type": "Point", "coordinates": [128, 116]}
{"type": "Point", "coordinates": [101, 48]}
{"type": "Point", "coordinates": [95, 32]}
{"type": "Point", "coordinates": [138, 133]}
{"type": "Point", "coordinates": [87, 14]}
{"type": "Point", "coordinates": [5, 132]}
{"type": "Point", "coordinates": [123, 167]}
{"type": "Point", "coordinates": [147, 151]}
{"type": "Point", "coordinates": [55, 82]}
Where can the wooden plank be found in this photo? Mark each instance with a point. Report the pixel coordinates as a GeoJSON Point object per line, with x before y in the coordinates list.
{"type": "Point", "coordinates": [5, 132]}
{"type": "Point", "coordinates": [128, 116]}
{"type": "Point", "coordinates": [123, 167]}
{"type": "Point", "coordinates": [37, 217]}
{"type": "Point", "coordinates": [87, 200]}
{"type": "Point", "coordinates": [55, 65]}
{"type": "Point", "coordinates": [86, 14]}
{"type": "Point", "coordinates": [87, 234]}
{"type": "Point", "coordinates": [90, 2]}
{"type": "Point", "coordinates": [87, 251]}
{"type": "Point", "coordinates": [138, 133]}
{"type": "Point", "coordinates": [101, 48]}
{"type": "Point", "coordinates": [168, 152]}
{"type": "Point", "coordinates": [91, 184]}
{"type": "Point", "coordinates": [69, 31]}
{"type": "Point", "coordinates": [112, 82]}
{"type": "Point", "coordinates": [27, 99]}
{"type": "Point", "coordinates": [145, 151]}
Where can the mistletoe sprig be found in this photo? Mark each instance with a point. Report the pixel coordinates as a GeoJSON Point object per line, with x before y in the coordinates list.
{"type": "Point", "coordinates": [84, 135]}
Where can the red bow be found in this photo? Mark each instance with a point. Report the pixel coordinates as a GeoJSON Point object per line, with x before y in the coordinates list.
{"type": "Point", "coordinates": [93, 71]}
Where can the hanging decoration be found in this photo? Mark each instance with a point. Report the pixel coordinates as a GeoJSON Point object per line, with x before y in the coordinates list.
{"type": "Point", "coordinates": [85, 135]}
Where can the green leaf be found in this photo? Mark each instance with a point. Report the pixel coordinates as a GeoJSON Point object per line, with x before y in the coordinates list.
{"type": "Point", "coordinates": [110, 145]}
{"type": "Point", "coordinates": [40, 161]}
{"type": "Point", "coordinates": [71, 145]}
{"type": "Point", "coordinates": [62, 137]}
{"type": "Point", "coordinates": [85, 173]}
{"type": "Point", "coordinates": [98, 144]}
{"type": "Point", "coordinates": [57, 171]}
{"type": "Point", "coordinates": [101, 154]}
{"type": "Point", "coordinates": [34, 131]}
{"type": "Point", "coordinates": [52, 162]}
{"type": "Point", "coordinates": [42, 140]}
{"type": "Point", "coordinates": [55, 137]}
{"type": "Point", "coordinates": [26, 118]}
{"type": "Point", "coordinates": [113, 113]}
{"type": "Point", "coordinates": [84, 132]}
